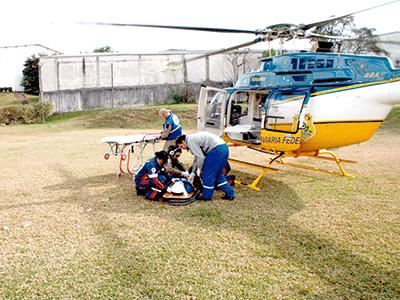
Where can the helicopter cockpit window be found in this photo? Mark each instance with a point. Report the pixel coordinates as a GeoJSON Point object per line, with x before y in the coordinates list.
{"type": "Point", "coordinates": [214, 107]}
{"type": "Point", "coordinates": [283, 110]}
{"type": "Point", "coordinates": [244, 80]}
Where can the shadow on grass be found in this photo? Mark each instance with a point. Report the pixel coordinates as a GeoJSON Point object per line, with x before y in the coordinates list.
{"type": "Point", "coordinates": [74, 188]}
{"type": "Point", "coordinates": [263, 217]}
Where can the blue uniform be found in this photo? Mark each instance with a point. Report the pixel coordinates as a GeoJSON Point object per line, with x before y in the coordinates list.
{"type": "Point", "coordinates": [211, 157]}
{"type": "Point", "coordinates": [152, 179]}
{"type": "Point", "coordinates": [213, 172]}
{"type": "Point", "coordinates": [176, 129]}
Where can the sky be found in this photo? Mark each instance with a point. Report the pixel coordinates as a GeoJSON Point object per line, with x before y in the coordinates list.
{"type": "Point", "coordinates": [53, 23]}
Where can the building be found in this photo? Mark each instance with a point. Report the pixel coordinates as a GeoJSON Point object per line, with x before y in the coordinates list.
{"type": "Point", "coordinates": [12, 59]}
{"type": "Point", "coordinates": [392, 49]}
{"type": "Point", "coordinates": [108, 80]}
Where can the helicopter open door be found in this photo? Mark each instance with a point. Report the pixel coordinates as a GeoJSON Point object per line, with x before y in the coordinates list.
{"type": "Point", "coordinates": [211, 110]}
{"type": "Point", "coordinates": [282, 118]}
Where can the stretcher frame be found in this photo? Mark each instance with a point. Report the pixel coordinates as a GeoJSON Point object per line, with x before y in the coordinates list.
{"type": "Point", "coordinates": [126, 147]}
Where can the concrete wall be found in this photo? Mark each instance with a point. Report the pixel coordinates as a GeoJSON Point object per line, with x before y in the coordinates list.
{"type": "Point", "coordinates": [93, 98]}
{"type": "Point", "coordinates": [73, 83]}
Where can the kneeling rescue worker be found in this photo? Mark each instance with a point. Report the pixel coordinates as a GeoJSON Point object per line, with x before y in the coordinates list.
{"type": "Point", "coordinates": [174, 167]}
{"type": "Point", "coordinates": [211, 155]}
{"type": "Point", "coordinates": [151, 179]}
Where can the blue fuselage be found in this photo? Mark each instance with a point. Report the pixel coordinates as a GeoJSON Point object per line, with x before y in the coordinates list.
{"type": "Point", "coordinates": [318, 71]}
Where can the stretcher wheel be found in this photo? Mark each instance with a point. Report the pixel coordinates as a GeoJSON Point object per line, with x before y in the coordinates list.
{"type": "Point", "coordinates": [123, 156]}
{"type": "Point", "coordinates": [106, 156]}
{"type": "Point", "coordinates": [119, 175]}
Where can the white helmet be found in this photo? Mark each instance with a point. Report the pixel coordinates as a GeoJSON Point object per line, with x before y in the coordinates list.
{"type": "Point", "coordinates": [179, 188]}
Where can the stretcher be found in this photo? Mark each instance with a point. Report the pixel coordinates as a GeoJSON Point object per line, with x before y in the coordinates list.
{"type": "Point", "coordinates": [181, 193]}
{"type": "Point", "coordinates": [130, 149]}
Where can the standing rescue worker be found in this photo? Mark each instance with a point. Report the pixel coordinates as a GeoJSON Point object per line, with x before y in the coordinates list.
{"type": "Point", "coordinates": [151, 180]}
{"type": "Point", "coordinates": [211, 156]}
{"type": "Point", "coordinates": [171, 128]}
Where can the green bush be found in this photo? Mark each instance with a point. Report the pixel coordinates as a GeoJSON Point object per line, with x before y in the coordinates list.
{"type": "Point", "coordinates": [182, 95]}
{"type": "Point", "coordinates": [24, 114]}
{"type": "Point", "coordinates": [176, 99]}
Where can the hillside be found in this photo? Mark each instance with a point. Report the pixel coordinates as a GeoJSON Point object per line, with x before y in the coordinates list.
{"type": "Point", "coordinates": [145, 117]}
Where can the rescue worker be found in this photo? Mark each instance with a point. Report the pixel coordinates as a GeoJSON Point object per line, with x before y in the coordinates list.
{"type": "Point", "coordinates": [151, 180]}
{"type": "Point", "coordinates": [171, 128]}
{"type": "Point", "coordinates": [174, 167]}
{"type": "Point", "coordinates": [211, 156]}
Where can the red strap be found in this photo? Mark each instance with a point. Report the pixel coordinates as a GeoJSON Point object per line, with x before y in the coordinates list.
{"type": "Point", "coordinates": [158, 183]}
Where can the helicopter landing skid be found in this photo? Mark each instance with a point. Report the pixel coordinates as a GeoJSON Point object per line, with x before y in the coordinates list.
{"type": "Point", "coordinates": [264, 170]}
{"type": "Point", "coordinates": [279, 159]}
{"type": "Point", "coordinates": [323, 155]}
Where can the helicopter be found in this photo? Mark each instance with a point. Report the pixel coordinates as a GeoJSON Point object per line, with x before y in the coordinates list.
{"type": "Point", "coordinates": [298, 104]}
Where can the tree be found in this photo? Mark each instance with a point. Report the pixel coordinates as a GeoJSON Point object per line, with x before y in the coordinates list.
{"type": "Point", "coordinates": [30, 75]}
{"type": "Point", "coordinates": [103, 49]}
{"type": "Point", "coordinates": [364, 40]}
{"type": "Point", "coordinates": [237, 64]}
{"type": "Point", "coordinates": [270, 52]}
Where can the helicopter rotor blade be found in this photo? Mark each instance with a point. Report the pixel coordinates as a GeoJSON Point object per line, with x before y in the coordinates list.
{"type": "Point", "coordinates": [257, 40]}
{"type": "Point", "coordinates": [208, 29]}
{"type": "Point", "coordinates": [344, 38]}
{"type": "Point", "coordinates": [320, 23]}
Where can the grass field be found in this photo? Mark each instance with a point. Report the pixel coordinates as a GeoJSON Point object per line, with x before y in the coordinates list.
{"type": "Point", "coordinates": [70, 229]}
